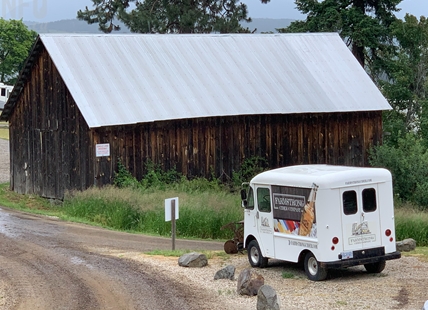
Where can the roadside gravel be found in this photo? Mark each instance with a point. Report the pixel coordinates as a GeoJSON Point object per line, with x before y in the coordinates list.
{"type": "Point", "coordinates": [402, 285]}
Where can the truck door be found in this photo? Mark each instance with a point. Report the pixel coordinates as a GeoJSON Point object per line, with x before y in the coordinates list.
{"type": "Point", "coordinates": [264, 219]}
{"type": "Point", "coordinates": [360, 217]}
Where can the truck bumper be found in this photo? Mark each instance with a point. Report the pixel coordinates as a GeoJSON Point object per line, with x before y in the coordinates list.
{"type": "Point", "coordinates": [360, 261]}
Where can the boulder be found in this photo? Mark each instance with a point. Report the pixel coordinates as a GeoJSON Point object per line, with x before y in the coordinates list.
{"type": "Point", "coordinates": [267, 298]}
{"type": "Point", "coordinates": [193, 260]}
{"type": "Point", "coordinates": [249, 282]}
{"type": "Point", "coordinates": [227, 272]}
{"type": "Point", "coordinates": [406, 245]}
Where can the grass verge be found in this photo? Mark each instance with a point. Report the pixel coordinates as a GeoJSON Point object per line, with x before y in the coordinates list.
{"type": "Point", "coordinates": [4, 131]}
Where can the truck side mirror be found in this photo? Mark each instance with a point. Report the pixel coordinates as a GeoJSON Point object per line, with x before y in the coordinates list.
{"type": "Point", "coordinates": [244, 203]}
{"type": "Point", "coordinates": [243, 194]}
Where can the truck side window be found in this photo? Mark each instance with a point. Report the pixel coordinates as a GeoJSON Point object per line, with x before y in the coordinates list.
{"type": "Point", "coordinates": [369, 200]}
{"type": "Point", "coordinates": [250, 200]}
{"type": "Point", "coordinates": [3, 92]}
{"type": "Point", "coordinates": [349, 202]}
{"type": "Point", "coordinates": [263, 199]}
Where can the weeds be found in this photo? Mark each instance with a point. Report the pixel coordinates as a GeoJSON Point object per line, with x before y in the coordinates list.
{"type": "Point", "coordinates": [287, 275]}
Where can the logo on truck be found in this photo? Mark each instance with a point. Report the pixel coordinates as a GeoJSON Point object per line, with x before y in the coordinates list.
{"type": "Point", "coordinates": [361, 234]}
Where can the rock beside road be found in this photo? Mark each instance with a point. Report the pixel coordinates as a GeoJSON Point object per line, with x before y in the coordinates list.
{"type": "Point", "coordinates": [406, 245]}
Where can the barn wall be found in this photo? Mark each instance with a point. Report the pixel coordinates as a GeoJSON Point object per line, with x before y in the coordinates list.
{"type": "Point", "coordinates": [49, 138]}
{"type": "Point", "coordinates": [53, 150]}
{"type": "Point", "coordinates": [197, 147]}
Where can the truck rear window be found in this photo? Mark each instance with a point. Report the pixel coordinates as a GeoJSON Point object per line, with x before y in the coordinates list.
{"type": "Point", "coordinates": [369, 200]}
{"type": "Point", "coordinates": [349, 202]}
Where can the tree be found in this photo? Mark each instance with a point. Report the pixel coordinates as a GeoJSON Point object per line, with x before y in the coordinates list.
{"type": "Point", "coordinates": [363, 24]}
{"type": "Point", "coordinates": [406, 82]}
{"type": "Point", "coordinates": [16, 41]}
{"type": "Point", "coordinates": [168, 16]}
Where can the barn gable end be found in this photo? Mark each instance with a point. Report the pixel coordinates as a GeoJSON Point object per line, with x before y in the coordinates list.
{"type": "Point", "coordinates": [55, 126]}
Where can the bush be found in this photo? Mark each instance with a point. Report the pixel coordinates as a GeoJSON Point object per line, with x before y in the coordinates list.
{"type": "Point", "coordinates": [408, 163]}
{"type": "Point", "coordinates": [123, 178]}
{"type": "Point", "coordinates": [250, 167]}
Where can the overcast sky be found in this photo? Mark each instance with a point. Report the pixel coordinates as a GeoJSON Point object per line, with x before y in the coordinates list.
{"type": "Point", "coordinates": [52, 10]}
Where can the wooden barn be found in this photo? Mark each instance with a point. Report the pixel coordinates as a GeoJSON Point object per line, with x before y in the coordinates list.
{"type": "Point", "coordinates": [196, 103]}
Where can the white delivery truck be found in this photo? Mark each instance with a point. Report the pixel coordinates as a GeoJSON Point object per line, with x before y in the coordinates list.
{"type": "Point", "coordinates": [322, 215]}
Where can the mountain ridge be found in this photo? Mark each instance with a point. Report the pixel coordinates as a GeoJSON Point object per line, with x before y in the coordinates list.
{"type": "Point", "coordinates": [258, 25]}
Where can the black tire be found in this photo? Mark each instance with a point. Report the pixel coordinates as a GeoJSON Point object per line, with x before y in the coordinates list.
{"type": "Point", "coordinates": [375, 267]}
{"type": "Point", "coordinates": [313, 269]}
{"type": "Point", "coordinates": [255, 256]}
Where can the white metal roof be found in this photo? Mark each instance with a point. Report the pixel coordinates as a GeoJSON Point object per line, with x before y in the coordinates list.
{"type": "Point", "coordinates": [325, 176]}
{"type": "Point", "coordinates": [126, 79]}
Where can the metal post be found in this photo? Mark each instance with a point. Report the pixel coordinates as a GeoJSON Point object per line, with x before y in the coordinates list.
{"type": "Point", "coordinates": [173, 223]}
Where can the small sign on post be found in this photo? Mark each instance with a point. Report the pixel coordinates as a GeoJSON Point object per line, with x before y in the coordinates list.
{"type": "Point", "coordinates": [171, 214]}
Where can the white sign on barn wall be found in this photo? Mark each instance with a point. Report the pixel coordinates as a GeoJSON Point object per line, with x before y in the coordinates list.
{"type": "Point", "coordinates": [102, 150]}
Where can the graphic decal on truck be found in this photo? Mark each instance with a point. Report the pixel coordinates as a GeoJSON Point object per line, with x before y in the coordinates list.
{"type": "Point", "coordinates": [361, 234]}
{"type": "Point", "coordinates": [294, 210]}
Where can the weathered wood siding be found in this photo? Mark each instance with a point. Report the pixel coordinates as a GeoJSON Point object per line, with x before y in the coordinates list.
{"type": "Point", "coordinates": [196, 147]}
{"type": "Point", "coordinates": [53, 150]}
{"type": "Point", "coordinates": [49, 139]}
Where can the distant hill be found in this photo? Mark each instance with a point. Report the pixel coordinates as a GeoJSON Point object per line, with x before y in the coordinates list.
{"type": "Point", "coordinates": [77, 26]}
{"type": "Point", "coordinates": [267, 24]}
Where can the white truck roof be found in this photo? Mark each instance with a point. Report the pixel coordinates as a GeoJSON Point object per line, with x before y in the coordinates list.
{"type": "Point", "coordinates": [325, 176]}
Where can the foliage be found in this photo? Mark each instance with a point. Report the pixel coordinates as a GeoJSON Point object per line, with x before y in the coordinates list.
{"type": "Point", "coordinates": [249, 168]}
{"type": "Point", "coordinates": [16, 41]}
{"type": "Point", "coordinates": [406, 85]}
{"type": "Point", "coordinates": [123, 178]}
{"type": "Point", "coordinates": [362, 24]}
{"type": "Point", "coordinates": [168, 16]}
{"type": "Point", "coordinates": [408, 163]}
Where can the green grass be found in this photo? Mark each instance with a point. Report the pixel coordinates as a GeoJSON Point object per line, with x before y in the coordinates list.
{"type": "Point", "coordinates": [411, 223]}
{"type": "Point", "coordinates": [4, 131]}
{"type": "Point", "coordinates": [202, 213]}
{"type": "Point", "coordinates": [178, 253]}
{"type": "Point", "coordinates": [419, 252]}
{"type": "Point", "coordinates": [287, 275]}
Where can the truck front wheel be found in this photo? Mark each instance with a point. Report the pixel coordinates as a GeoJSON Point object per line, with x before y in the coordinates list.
{"type": "Point", "coordinates": [255, 255]}
{"type": "Point", "coordinates": [313, 269]}
{"type": "Point", "coordinates": [375, 267]}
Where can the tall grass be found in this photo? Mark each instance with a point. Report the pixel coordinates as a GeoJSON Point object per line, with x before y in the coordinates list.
{"type": "Point", "coordinates": [411, 223]}
{"type": "Point", "coordinates": [201, 212]}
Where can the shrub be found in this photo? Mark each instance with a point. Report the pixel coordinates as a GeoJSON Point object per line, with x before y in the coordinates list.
{"type": "Point", "coordinates": [408, 163]}
{"type": "Point", "coordinates": [249, 168]}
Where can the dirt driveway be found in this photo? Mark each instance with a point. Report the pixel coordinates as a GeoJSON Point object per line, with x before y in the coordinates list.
{"type": "Point", "coordinates": [49, 264]}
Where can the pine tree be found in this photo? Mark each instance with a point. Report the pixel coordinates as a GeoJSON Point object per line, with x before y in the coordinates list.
{"type": "Point", "coordinates": [363, 24]}
{"type": "Point", "coordinates": [168, 16]}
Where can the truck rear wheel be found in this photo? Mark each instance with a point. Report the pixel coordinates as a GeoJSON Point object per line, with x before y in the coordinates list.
{"type": "Point", "coordinates": [255, 256]}
{"type": "Point", "coordinates": [375, 267]}
{"type": "Point", "coordinates": [313, 269]}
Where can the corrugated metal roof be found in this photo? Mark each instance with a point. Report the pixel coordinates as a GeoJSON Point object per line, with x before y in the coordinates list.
{"type": "Point", "coordinates": [126, 79]}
